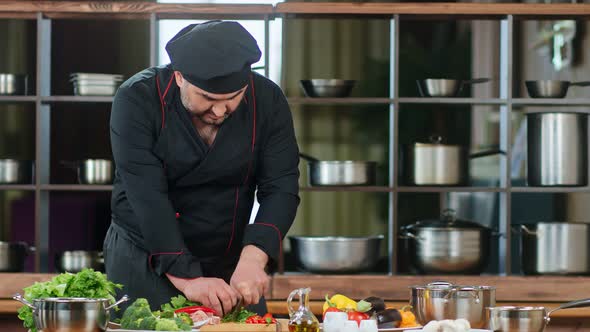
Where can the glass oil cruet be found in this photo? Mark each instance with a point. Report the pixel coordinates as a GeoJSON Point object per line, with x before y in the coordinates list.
{"type": "Point", "coordinates": [302, 320]}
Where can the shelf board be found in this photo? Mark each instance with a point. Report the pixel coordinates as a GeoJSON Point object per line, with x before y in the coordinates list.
{"type": "Point", "coordinates": [418, 189]}
{"type": "Point", "coordinates": [551, 101]}
{"type": "Point", "coordinates": [132, 9]}
{"type": "Point", "coordinates": [77, 99]}
{"type": "Point", "coordinates": [18, 99]}
{"type": "Point", "coordinates": [471, 10]}
{"type": "Point", "coordinates": [28, 187]}
{"type": "Point", "coordinates": [550, 189]}
{"type": "Point", "coordinates": [474, 101]}
{"type": "Point", "coordinates": [316, 101]}
{"type": "Point", "coordinates": [348, 188]}
{"type": "Point", "coordinates": [76, 187]}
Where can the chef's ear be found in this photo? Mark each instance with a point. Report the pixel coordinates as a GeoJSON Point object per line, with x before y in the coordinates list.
{"type": "Point", "coordinates": [179, 78]}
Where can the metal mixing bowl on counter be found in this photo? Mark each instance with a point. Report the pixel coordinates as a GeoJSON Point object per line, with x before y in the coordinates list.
{"type": "Point", "coordinates": [70, 314]}
{"type": "Point", "coordinates": [336, 254]}
{"type": "Point", "coordinates": [443, 300]}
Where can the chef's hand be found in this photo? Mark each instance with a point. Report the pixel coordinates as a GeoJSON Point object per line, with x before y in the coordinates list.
{"type": "Point", "coordinates": [214, 293]}
{"type": "Point", "coordinates": [250, 278]}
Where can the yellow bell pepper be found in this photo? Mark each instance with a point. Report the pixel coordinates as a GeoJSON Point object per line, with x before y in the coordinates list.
{"type": "Point", "coordinates": [339, 301]}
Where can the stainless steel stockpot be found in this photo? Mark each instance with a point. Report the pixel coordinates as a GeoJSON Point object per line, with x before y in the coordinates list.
{"type": "Point", "coordinates": [13, 171]}
{"type": "Point", "coordinates": [557, 153]}
{"type": "Point", "coordinates": [437, 164]}
{"type": "Point", "coordinates": [447, 245]}
{"type": "Point", "coordinates": [70, 314]}
{"type": "Point", "coordinates": [13, 256]}
{"type": "Point", "coordinates": [555, 248]}
{"type": "Point", "coordinates": [443, 300]}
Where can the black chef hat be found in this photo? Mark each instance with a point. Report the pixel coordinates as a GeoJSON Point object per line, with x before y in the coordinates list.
{"type": "Point", "coordinates": [215, 56]}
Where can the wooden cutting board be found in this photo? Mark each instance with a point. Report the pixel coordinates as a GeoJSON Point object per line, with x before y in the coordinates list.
{"type": "Point", "coordinates": [281, 326]}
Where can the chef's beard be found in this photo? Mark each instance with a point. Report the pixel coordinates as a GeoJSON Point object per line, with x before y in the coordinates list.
{"type": "Point", "coordinates": [202, 115]}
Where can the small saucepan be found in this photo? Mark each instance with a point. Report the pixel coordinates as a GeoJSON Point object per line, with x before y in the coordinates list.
{"type": "Point", "coordinates": [340, 172]}
{"type": "Point", "coordinates": [551, 88]}
{"type": "Point", "coordinates": [525, 319]}
{"type": "Point", "coordinates": [92, 171]}
{"type": "Point", "coordinates": [440, 87]}
{"type": "Point", "coordinates": [13, 171]}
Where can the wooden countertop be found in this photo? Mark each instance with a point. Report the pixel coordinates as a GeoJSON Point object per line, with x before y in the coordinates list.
{"type": "Point", "coordinates": [544, 291]}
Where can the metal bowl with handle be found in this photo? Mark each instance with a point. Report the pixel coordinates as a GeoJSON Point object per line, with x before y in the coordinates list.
{"type": "Point", "coordinates": [336, 254]}
{"type": "Point", "coordinates": [70, 314]}
{"type": "Point", "coordinates": [525, 319]}
{"type": "Point", "coordinates": [442, 87]}
{"type": "Point", "coordinates": [340, 172]}
{"type": "Point", "coordinates": [443, 300]}
{"type": "Point", "coordinates": [327, 88]}
{"type": "Point", "coordinates": [551, 88]}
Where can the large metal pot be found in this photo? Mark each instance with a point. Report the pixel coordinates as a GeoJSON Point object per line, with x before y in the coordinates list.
{"type": "Point", "coordinates": [13, 256]}
{"type": "Point", "coordinates": [14, 171]}
{"type": "Point", "coordinates": [336, 254]}
{"type": "Point", "coordinates": [555, 248]}
{"type": "Point", "coordinates": [77, 260]}
{"type": "Point", "coordinates": [557, 149]}
{"type": "Point", "coordinates": [93, 171]}
{"type": "Point", "coordinates": [340, 172]}
{"type": "Point", "coordinates": [70, 314]}
{"type": "Point", "coordinates": [438, 164]}
{"type": "Point", "coordinates": [14, 84]}
{"type": "Point", "coordinates": [447, 245]}
{"type": "Point", "coordinates": [443, 300]}
{"type": "Point", "coordinates": [524, 319]}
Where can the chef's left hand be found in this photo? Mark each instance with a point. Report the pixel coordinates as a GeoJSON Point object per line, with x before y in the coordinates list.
{"type": "Point", "coordinates": [250, 278]}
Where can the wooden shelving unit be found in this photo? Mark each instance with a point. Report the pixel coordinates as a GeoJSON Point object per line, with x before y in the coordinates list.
{"type": "Point", "coordinates": [45, 12]}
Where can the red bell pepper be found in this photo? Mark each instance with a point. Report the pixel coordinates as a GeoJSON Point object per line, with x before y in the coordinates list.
{"type": "Point", "coordinates": [195, 308]}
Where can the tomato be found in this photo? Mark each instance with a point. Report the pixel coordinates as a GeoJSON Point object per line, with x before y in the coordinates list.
{"type": "Point", "coordinates": [269, 319]}
{"type": "Point", "coordinates": [357, 316]}
{"type": "Point", "coordinates": [331, 309]}
{"type": "Point", "coordinates": [253, 319]}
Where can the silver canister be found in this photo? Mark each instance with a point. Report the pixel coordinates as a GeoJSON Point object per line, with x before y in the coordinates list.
{"type": "Point", "coordinates": [557, 149]}
{"type": "Point", "coordinates": [443, 300]}
{"type": "Point", "coordinates": [556, 248]}
{"type": "Point", "coordinates": [436, 164]}
{"type": "Point", "coordinates": [96, 171]}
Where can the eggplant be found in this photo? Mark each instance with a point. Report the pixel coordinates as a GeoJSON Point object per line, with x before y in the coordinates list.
{"type": "Point", "coordinates": [389, 318]}
{"type": "Point", "coordinates": [377, 304]}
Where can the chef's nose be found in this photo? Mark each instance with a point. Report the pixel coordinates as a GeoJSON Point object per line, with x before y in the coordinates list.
{"type": "Point", "coordinates": [219, 109]}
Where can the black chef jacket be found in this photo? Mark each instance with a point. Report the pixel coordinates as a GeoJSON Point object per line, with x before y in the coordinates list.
{"type": "Point", "coordinates": [182, 207]}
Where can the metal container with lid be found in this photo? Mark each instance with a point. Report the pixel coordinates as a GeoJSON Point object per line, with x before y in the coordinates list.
{"type": "Point", "coordinates": [436, 164]}
{"type": "Point", "coordinates": [444, 300]}
{"type": "Point", "coordinates": [447, 245]}
{"type": "Point", "coordinates": [559, 248]}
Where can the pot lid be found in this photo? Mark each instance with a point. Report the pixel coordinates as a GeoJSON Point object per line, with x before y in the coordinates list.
{"type": "Point", "coordinates": [435, 141]}
{"type": "Point", "coordinates": [448, 220]}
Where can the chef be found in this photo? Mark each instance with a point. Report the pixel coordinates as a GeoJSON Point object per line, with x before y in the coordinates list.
{"type": "Point", "coordinates": [192, 141]}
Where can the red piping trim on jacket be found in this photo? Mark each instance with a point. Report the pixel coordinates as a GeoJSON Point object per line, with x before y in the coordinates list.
{"type": "Point", "coordinates": [233, 223]}
{"type": "Point", "coordinates": [278, 232]}
{"type": "Point", "coordinates": [162, 96]}
{"type": "Point", "coordinates": [162, 253]}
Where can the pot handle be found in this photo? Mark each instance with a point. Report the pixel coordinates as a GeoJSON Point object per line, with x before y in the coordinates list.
{"type": "Point", "coordinates": [569, 305]}
{"type": "Point", "coordinates": [527, 231]}
{"type": "Point", "coordinates": [486, 153]}
{"type": "Point", "coordinates": [583, 83]}
{"type": "Point", "coordinates": [409, 236]}
{"type": "Point", "coordinates": [70, 164]}
{"type": "Point", "coordinates": [308, 158]}
{"type": "Point", "coordinates": [475, 81]}
{"type": "Point", "coordinates": [125, 298]}
{"type": "Point", "coordinates": [22, 300]}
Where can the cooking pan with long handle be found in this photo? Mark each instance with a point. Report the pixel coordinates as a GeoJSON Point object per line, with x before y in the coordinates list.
{"type": "Point", "coordinates": [551, 88]}
{"type": "Point", "coordinates": [340, 172]}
